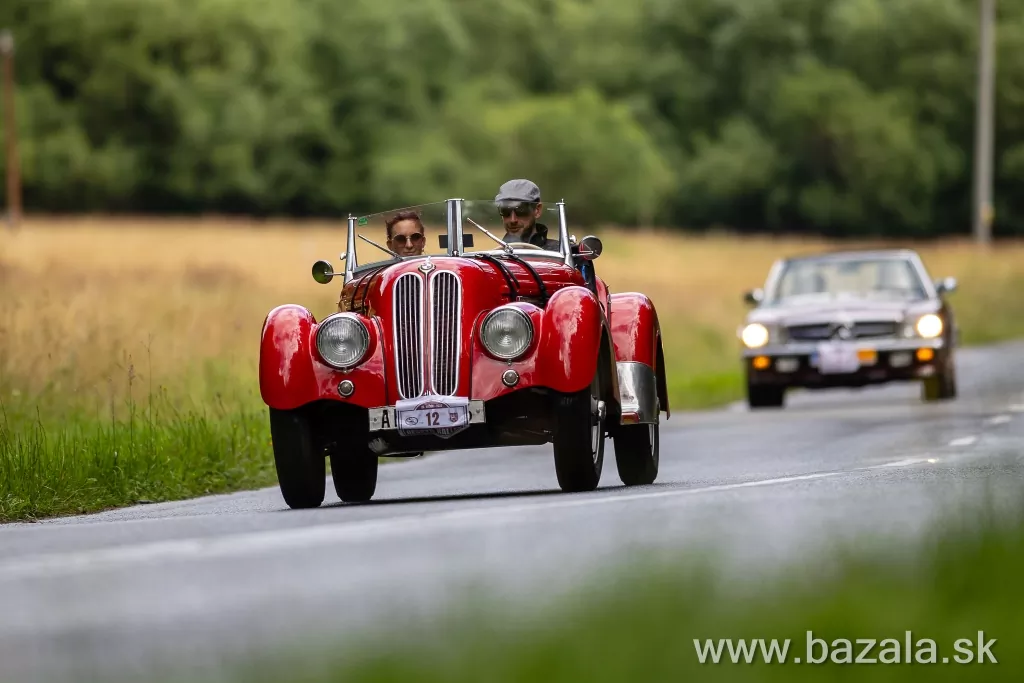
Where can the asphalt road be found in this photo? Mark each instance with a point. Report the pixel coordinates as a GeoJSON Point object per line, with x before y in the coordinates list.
{"type": "Point", "coordinates": [121, 592]}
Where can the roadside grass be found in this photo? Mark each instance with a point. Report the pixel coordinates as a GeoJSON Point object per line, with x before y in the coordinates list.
{"type": "Point", "coordinates": [640, 623]}
{"type": "Point", "coordinates": [85, 466]}
{"type": "Point", "coordinates": [128, 347]}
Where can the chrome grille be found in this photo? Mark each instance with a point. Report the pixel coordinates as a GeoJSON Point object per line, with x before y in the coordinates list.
{"type": "Point", "coordinates": [445, 332]}
{"type": "Point", "coordinates": [407, 306]}
{"type": "Point", "coordinates": [860, 330]}
{"type": "Point", "coordinates": [881, 328]}
{"type": "Point", "coordinates": [809, 332]}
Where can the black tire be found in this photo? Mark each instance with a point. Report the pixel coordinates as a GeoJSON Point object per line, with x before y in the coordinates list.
{"type": "Point", "coordinates": [300, 461]}
{"type": "Point", "coordinates": [941, 386]}
{"type": "Point", "coordinates": [637, 453]}
{"type": "Point", "coordinates": [354, 471]}
{"type": "Point", "coordinates": [765, 396]}
{"type": "Point", "coordinates": [578, 459]}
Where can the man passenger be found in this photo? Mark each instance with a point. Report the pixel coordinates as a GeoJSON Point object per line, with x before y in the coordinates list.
{"type": "Point", "coordinates": [520, 206]}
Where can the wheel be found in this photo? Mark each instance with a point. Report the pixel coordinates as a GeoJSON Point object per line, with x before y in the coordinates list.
{"type": "Point", "coordinates": [637, 453]}
{"type": "Point", "coordinates": [941, 386]}
{"type": "Point", "coordinates": [761, 396]}
{"type": "Point", "coordinates": [579, 438]}
{"type": "Point", "coordinates": [300, 461]}
{"type": "Point", "coordinates": [354, 471]}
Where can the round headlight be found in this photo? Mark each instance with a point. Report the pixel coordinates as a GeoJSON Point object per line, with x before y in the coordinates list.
{"type": "Point", "coordinates": [506, 333]}
{"type": "Point", "coordinates": [342, 341]}
{"type": "Point", "coordinates": [929, 326]}
{"type": "Point", "coordinates": [755, 335]}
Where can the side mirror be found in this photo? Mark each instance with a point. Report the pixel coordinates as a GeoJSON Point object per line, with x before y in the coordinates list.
{"type": "Point", "coordinates": [590, 248]}
{"type": "Point", "coordinates": [946, 285]}
{"type": "Point", "coordinates": [754, 296]}
{"type": "Point", "coordinates": [323, 272]}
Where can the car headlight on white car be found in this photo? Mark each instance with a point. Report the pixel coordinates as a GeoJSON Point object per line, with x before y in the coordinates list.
{"type": "Point", "coordinates": [929, 326]}
{"type": "Point", "coordinates": [506, 333]}
{"type": "Point", "coordinates": [754, 335]}
{"type": "Point", "coordinates": [342, 341]}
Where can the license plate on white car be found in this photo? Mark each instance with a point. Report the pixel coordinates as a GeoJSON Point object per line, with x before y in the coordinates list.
{"type": "Point", "coordinates": [442, 416]}
{"type": "Point", "coordinates": [837, 359]}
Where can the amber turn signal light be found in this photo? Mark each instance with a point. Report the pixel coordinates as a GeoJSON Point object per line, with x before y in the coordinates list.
{"type": "Point", "coordinates": [867, 356]}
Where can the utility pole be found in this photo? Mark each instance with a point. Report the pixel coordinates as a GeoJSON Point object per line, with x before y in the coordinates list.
{"type": "Point", "coordinates": [984, 125]}
{"type": "Point", "coordinates": [10, 131]}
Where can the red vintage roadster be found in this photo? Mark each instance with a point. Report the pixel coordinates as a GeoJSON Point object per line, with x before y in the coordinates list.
{"type": "Point", "coordinates": [477, 342]}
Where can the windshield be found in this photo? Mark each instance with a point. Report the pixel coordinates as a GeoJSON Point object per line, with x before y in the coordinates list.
{"type": "Point", "coordinates": [422, 230]}
{"type": "Point", "coordinates": [530, 225]}
{"type": "Point", "coordinates": [408, 231]}
{"type": "Point", "coordinates": [825, 279]}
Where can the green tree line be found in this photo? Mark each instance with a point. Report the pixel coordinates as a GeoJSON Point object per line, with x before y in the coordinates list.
{"type": "Point", "coordinates": [848, 117]}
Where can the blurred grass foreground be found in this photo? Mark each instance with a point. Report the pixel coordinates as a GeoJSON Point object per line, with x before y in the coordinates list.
{"type": "Point", "coordinates": [647, 619]}
{"type": "Point", "coordinates": [129, 347]}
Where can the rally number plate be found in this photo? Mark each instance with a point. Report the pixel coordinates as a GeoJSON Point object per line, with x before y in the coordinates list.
{"type": "Point", "coordinates": [434, 417]}
{"type": "Point", "coordinates": [440, 416]}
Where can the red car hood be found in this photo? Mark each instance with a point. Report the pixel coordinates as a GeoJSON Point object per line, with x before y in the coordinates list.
{"type": "Point", "coordinates": [428, 312]}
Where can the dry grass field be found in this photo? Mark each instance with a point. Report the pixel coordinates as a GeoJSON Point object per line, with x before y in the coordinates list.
{"type": "Point", "coordinates": [128, 347]}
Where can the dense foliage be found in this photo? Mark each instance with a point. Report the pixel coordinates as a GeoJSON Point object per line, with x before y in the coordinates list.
{"type": "Point", "coordinates": [835, 116]}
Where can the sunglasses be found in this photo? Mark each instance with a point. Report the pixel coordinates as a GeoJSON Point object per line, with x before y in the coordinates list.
{"type": "Point", "coordinates": [413, 238]}
{"type": "Point", "coordinates": [522, 211]}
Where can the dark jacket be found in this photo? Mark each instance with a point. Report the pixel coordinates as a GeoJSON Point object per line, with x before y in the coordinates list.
{"type": "Point", "coordinates": [537, 237]}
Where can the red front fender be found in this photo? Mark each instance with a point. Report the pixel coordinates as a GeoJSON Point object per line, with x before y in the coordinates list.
{"type": "Point", "coordinates": [635, 328]}
{"type": "Point", "coordinates": [636, 335]}
{"type": "Point", "coordinates": [287, 379]}
{"type": "Point", "coordinates": [571, 340]}
{"type": "Point", "coordinates": [291, 374]}
{"type": "Point", "coordinates": [564, 353]}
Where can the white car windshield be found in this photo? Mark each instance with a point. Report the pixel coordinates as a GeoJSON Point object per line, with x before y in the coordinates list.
{"type": "Point", "coordinates": [811, 280]}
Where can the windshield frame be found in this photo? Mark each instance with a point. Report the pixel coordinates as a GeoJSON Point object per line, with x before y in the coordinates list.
{"type": "Point", "coordinates": [781, 267]}
{"type": "Point", "coordinates": [455, 231]}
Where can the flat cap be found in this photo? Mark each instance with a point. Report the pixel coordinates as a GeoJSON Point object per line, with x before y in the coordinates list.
{"type": "Point", "coordinates": [518, 190]}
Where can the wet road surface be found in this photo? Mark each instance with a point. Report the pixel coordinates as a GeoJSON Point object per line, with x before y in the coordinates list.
{"type": "Point", "coordinates": [117, 593]}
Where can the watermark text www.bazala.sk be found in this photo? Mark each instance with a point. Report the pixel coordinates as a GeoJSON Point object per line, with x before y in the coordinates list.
{"type": "Point", "coordinates": [908, 650]}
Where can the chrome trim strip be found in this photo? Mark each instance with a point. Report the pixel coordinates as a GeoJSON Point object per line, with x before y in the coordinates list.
{"type": "Point", "coordinates": [407, 332]}
{"type": "Point", "coordinates": [563, 234]}
{"type": "Point", "coordinates": [638, 393]}
{"type": "Point", "coordinates": [350, 251]}
{"type": "Point", "coordinates": [454, 215]}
